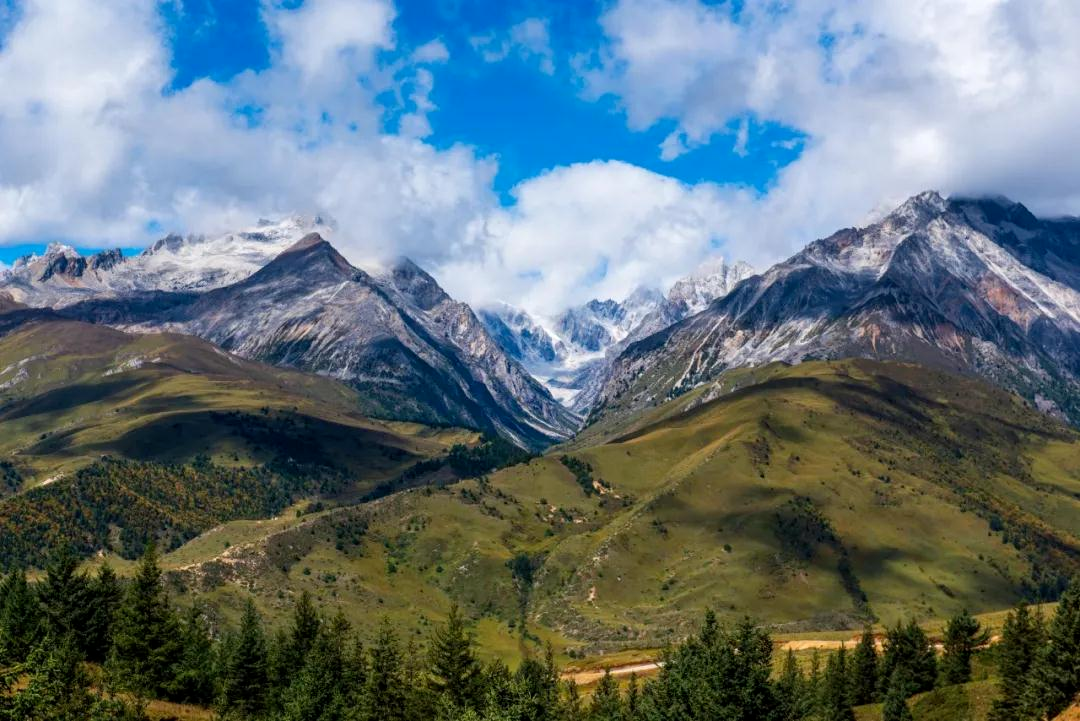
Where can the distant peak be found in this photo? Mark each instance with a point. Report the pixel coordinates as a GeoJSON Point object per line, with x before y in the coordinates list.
{"type": "Point", "coordinates": [308, 241]}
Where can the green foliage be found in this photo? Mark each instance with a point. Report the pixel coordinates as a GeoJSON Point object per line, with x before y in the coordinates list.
{"type": "Point", "coordinates": [607, 703]}
{"type": "Point", "coordinates": [1022, 636]}
{"type": "Point", "coordinates": [902, 685]}
{"type": "Point", "coordinates": [864, 670]}
{"type": "Point", "coordinates": [583, 473]}
{"type": "Point", "coordinates": [963, 635]}
{"type": "Point", "coordinates": [244, 679]}
{"type": "Point", "coordinates": [21, 623]}
{"type": "Point", "coordinates": [147, 644]}
{"type": "Point", "coordinates": [907, 647]}
{"type": "Point", "coordinates": [147, 502]}
{"type": "Point", "coordinates": [1054, 679]}
{"type": "Point", "coordinates": [58, 689]}
{"type": "Point", "coordinates": [454, 669]}
{"type": "Point", "coordinates": [490, 455]}
{"type": "Point", "coordinates": [835, 697]}
{"type": "Point", "coordinates": [722, 673]}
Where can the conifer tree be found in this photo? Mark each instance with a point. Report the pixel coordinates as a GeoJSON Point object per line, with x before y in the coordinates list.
{"type": "Point", "coordinates": [384, 695]}
{"type": "Point", "coordinates": [633, 695]}
{"type": "Point", "coordinates": [193, 680]}
{"type": "Point", "coordinates": [606, 702]}
{"type": "Point", "coordinates": [791, 687]}
{"type": "Point", "coordinates": [320, 690]}
{"type": "Point", "coordinates": [147, 643]}
{"type": "Point", "coordinates": [20, 618]}
{"type": "Point", "coordinates": [106, 595]}
{"type": "Point", "coordinates": [835, 697]}
{"type": "Point", "coordinates": [908, 646]}
{"type": "Point", "coordinates": [1055, 673]}
{"type": "Point", "coordinates": [306, 623]}
{"type": "Point", "coordinates": [454, 668]}
{"type": "Point", "coordinates": [1021, 638]}
{"type": "Point", "coordinates": [244, 681]}
{"type": "Point", "coordinates": [571, 702]}
{"type": "Point", "coordinates": [65, 598]}
{"type": "Point", "coordinates": [963, 635]}
{"type": "Point", "coordinates": [900, 688]}
{"type": "Point", "coordinates": [864, 670]}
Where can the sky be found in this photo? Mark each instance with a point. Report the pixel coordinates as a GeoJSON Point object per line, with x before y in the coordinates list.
{"type": "Point", "coordinates": [538, 152]}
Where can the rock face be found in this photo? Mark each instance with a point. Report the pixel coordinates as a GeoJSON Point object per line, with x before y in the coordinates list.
{"type": "Point", "coordinates": [979, 286]}
{"type": "Point", "coordinates": [413, 351]}
{"type": "Point", "coordinates": [571, 352]}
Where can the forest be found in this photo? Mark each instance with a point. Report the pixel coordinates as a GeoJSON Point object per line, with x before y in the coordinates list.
{"type": "Point", "coordinates": [77, 646]}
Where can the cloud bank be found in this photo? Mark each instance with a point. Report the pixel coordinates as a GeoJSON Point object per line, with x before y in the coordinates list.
{"type": "Point", "coordinates": [892, 97]}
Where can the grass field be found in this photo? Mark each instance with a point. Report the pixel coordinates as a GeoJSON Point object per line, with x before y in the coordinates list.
{"type": "Point", "coordinates": [814, 499]}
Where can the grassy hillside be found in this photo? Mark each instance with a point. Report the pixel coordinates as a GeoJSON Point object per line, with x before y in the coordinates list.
{"type": "Point", "coordinates": [815, 497]}
{"type": "Point", "coordinates": [72, 392]}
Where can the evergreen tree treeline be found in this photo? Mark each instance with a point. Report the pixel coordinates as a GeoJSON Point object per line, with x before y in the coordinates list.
{"type": "Point", "coordinates": [317, 668]}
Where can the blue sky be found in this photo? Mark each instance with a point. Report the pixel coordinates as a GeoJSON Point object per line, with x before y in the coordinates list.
{"type": "Point", "coordinates": [513, 148]}
{"type": "Point", "coordinates": [528, 120]}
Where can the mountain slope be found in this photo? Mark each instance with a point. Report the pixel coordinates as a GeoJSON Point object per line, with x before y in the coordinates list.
{"type": "Point", "coordinates": [937, 282]}
{"type": "Point", "coordinates": [412, 351]}
{"type": "Point", "coordinates": [71, 392]}
{"type": "Point", "coordinates": [816, 495]}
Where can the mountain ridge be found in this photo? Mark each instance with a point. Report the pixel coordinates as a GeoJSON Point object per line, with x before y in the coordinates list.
{"type": "Point", "coordinates": [935, 281]}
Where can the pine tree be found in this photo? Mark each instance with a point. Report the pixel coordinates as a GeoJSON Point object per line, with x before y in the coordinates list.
{"type": "Point", "coordinates": [147, 644]}
{"type": "Point", "coordinates": [571, 702]}
{"type": "Point", "coordinates": [20, 619]}
{"type": "Point", "coordinates": [1055, 673]}
{"type": "Point", "coordinates": [57, 687]}
{"type": "Point", "coordinates": [193, 681]}
{"type": "Point", "coordinates": [900, 688]}
{"type": "Point", "coordinates": [244, 681]}
{"type": "Point", "coordinates": [963, 635]}
{"type": "Point", "coordinates": [106, 595]}
{"type": "Point", "coordinates": [320, 691]}
{"type": "Point", "coordinates": [633, 696]}
{"type": "Point", "coordinates": [908, 646]}
{"type": "Point", "coordinates": [454, 668]}
{"type": "Point", "coordinates": [606, 702]}
{"type": "Point", "coordinates": [65, 597]}
{"type": "Point", "coordinates": [303, 634]}
{"type": "Point", "coordinates": [1021, 637]}
{"type": "Point", "coordinates": [835, 698]}
{"type": "Point", "coordinates": [791, 691]}
{"type": "Point", "coordinates": [384, 695]}
{"type": "Point", "coordinates": [864, 670]}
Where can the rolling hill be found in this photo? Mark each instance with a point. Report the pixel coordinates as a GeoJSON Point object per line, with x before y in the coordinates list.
{"type": "Point", "coordinates": [816, 496]}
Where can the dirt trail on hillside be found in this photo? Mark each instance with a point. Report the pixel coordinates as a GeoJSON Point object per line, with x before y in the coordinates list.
{"type": "Point", "coordinates": [584, 677]}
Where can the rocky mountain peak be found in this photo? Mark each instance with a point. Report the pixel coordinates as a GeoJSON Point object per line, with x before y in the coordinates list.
{"type": "Point", "coordinates": [412, 281]}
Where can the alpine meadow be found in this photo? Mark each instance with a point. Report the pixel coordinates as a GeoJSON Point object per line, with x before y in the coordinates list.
{"type": "Point", "coordinates": [614, 360]}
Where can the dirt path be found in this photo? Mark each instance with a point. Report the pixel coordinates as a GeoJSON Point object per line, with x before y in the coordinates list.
{"type": "Point", "coordinates": [584, 677]}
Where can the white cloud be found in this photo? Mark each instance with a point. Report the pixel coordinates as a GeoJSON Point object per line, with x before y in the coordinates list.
{"type": "Point", "coordinates": [966, 96]}
{"type": "Point", "coordinates": [92, 148]}
{"type": "Point", "coordinates": [546, 250]}
{"type": "Point", "coordinates": [893, 96]}
{"type": "Point", "coordinates": [528, 40]}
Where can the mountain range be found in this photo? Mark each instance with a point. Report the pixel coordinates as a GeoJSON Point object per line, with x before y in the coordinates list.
{"type": "Point", "coordinates": [870, 429]}
{"type": "Point", "coordinates": [572, 351]}
{"type": "Point", "coordinates": [976, 286]}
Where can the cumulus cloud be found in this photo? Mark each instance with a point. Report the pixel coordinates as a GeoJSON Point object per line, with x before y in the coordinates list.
{"type": "Point", "coordinates": [892, 97]}
{"type": "Point", "coordinates": [596, 229]}
{"type": "Point", "coordinates": [966, 96]}
{"type": "Point", "coordinates": [93, 147]}
{"type": "Point", "coordinates": [528, 40]}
